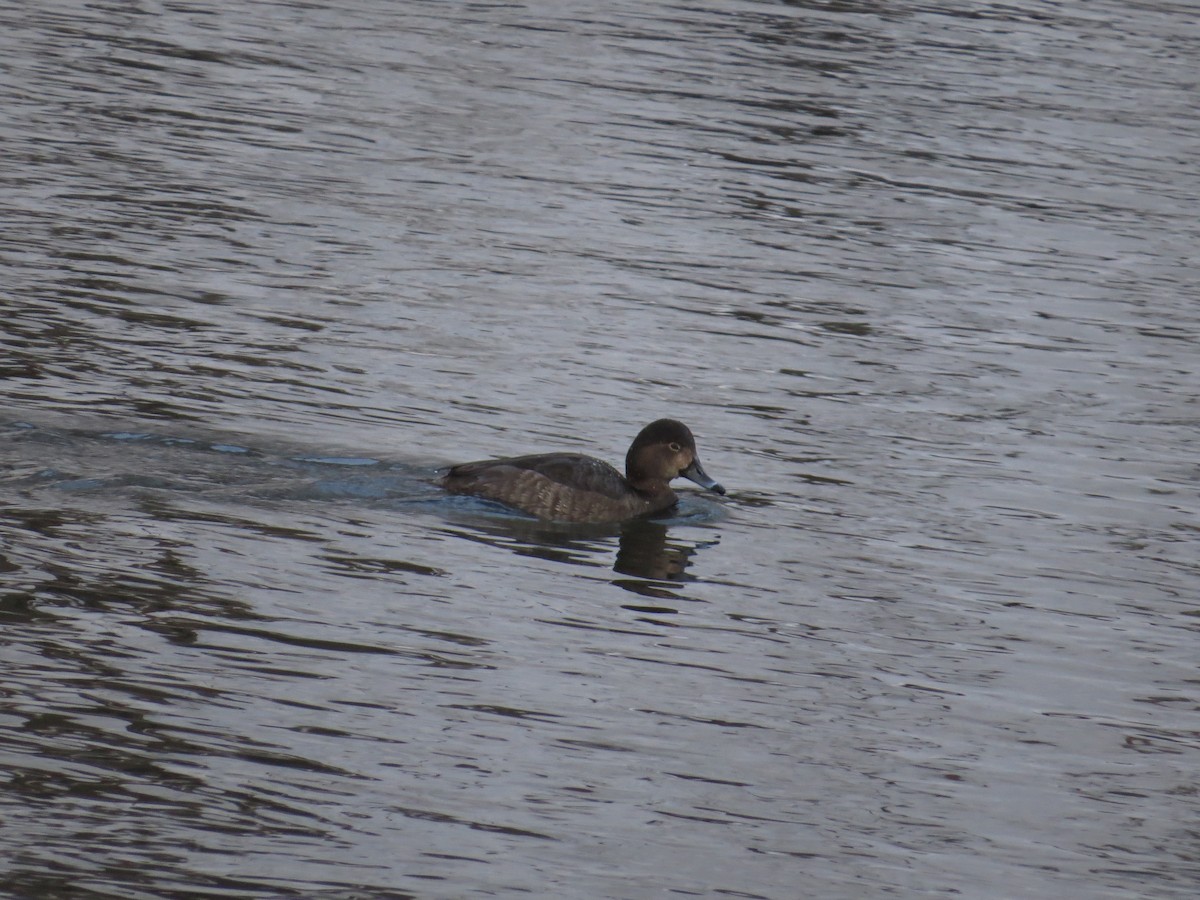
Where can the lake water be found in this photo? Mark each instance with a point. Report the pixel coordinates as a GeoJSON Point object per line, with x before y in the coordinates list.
{"type": "Point", "coordinates": [922, 280]}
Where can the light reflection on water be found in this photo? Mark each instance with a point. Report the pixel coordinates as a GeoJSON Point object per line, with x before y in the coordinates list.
{"type": "Point", "coordinates": [919, 280]}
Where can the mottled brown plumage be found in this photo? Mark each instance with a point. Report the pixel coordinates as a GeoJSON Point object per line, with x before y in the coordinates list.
{"type": "Point", "coordinates": [571, 487]}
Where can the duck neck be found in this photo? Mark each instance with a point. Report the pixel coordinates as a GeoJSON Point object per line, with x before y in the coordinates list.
{"type": "Point", "coordinates": [649, 487]}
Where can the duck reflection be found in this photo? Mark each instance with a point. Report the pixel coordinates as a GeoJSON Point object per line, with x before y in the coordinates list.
{"type": "Point", "coordinates": [645, 552]}
{"type": "Point", "coordinates": [655, 565]}
{"type": "Point", "coordinates": [658, 565]}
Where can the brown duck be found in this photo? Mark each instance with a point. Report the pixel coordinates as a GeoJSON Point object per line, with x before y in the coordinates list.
{"type": "Point", "coordinates": [571, 487]}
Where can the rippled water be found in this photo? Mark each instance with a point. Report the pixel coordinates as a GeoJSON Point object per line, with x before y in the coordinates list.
{"type": "Point", "coordinates": [922, 281]}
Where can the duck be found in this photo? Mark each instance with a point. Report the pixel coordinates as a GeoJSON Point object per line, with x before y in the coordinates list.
{"type": "Point", "coordinates": [572, 487]}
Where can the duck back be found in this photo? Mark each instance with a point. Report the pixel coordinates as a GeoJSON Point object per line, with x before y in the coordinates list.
{"type": "Point", "coordinates": [567, 487]}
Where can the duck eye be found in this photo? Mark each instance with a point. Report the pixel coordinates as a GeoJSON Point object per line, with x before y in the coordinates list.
{"type": "Point", "coordinates": [675, 448]}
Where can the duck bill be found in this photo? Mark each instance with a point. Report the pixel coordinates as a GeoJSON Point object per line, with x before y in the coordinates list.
{"type": "Point", "coordinates": [695, 472]}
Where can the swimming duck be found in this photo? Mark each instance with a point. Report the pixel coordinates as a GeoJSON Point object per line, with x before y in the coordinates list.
{"type": "Point", "coordinates": [571, 487]}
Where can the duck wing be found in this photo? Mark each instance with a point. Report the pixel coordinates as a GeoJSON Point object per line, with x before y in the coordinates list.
{"type": "Point", "coordinates": [577, 472]}
{"type": "Point", "coordinates": [573, 471]}
{"type": "Point", "coordinates": [563, 486]}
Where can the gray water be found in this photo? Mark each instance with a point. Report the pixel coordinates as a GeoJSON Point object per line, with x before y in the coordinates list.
{"type": "Point", "coordinates": [921, 279]}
